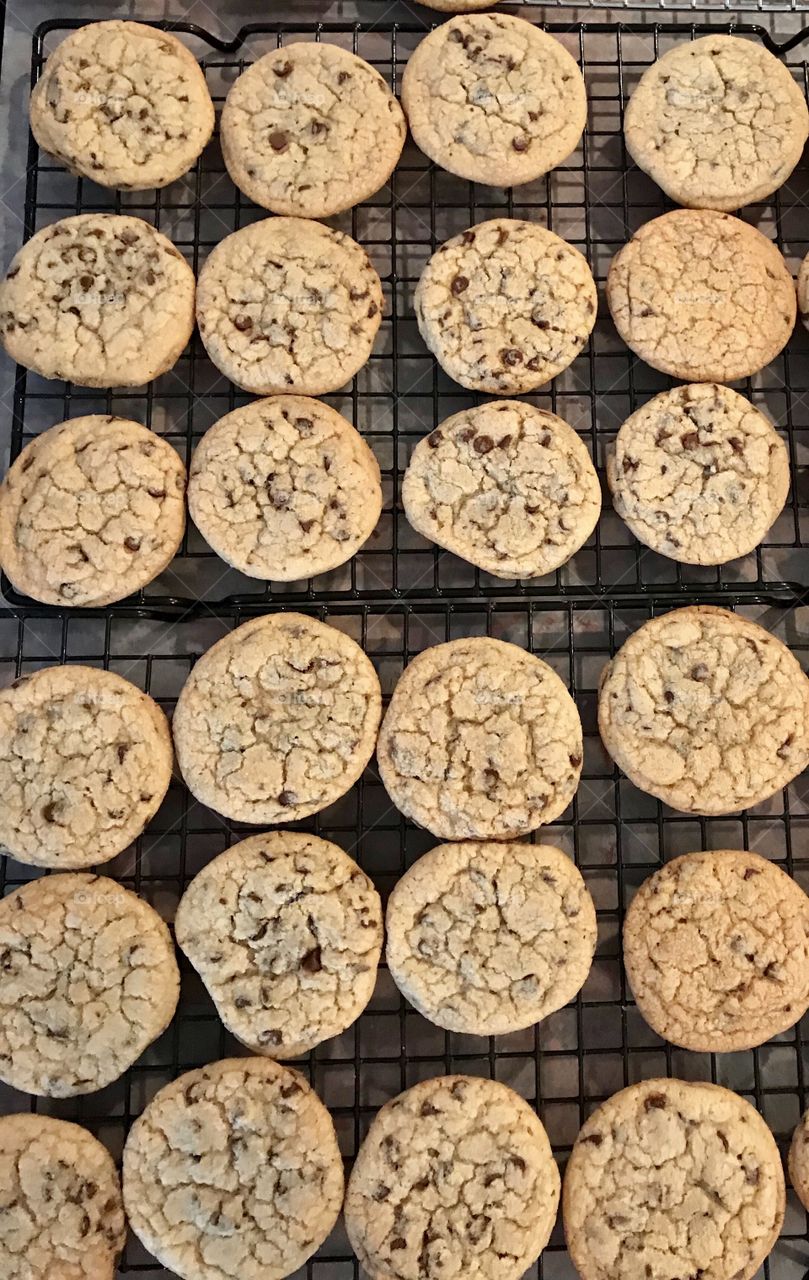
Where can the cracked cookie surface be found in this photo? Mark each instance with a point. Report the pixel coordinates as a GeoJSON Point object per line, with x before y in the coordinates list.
{"type": "Point", "coordinates": [798, 1162]}
{"type": "Point", "coordinates": [493, 99]}
{"type": "Point", "coordinates": [284, 489]}
{"type": "Point", "coordinates": [288, 306]}
{"type": "Point", "coordinates": [717, 123]}
{"type": "Point", "coordinates": [699, 474]}
{"type": "Point", "coordinates": [508, 487]}
{"type": "Point", "coordinates": [91, 511]}
{"type": "Point", "coordinates": [716, 948]}
{"type": "Point", "coordinates": [455, 1178]}
{"type": "Point", "coordinates": [124, 104]}
{"type": "Point", "coordinates": [85, 762]}
{"type": "Point", "coordinates": [702, 296]}
{"type": "Point", "coordinates": [505, 306]}
{"type": "Point", "coordinates": [310, 130]}
{"type": "Point", "coordinates": [60, 1202]}
{"type": "Point", "coordinates": [89, 981]}
{"type": "Point", "coordinates": [285, 931]}
{"type": "Point", "coordinates": [233, 1170]}
{"type": "Point", "coordinates": [480, 740]}
{"type": "Point", "coordinates": [277, 720]}
{"type": "Point", "coordinates": [100, 299]}
{"type": "Point", "coordinates": [706, 711]}
{"type": "Point", "coordinates": [671, 1178]}
{"type": "Point", "coordinates": [488, 938]}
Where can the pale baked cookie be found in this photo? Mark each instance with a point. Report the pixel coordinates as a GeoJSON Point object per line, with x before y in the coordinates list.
{"type": "Point", "coordinates": [702, 296]}
{"type": "Point", "coordinates": [85, 761]}
{"type": "Point", "coordinates": [60, 1202]}
{"type": "Point", "coordinates": [803, 292]}
{"type": "Point", "coordinates": [505, 306]}
{"type": "Point", "coordinates": [123, 104]}
{"type": "Point", "coordinates": [311, 130]}
{"type": "Point", "coordinates": [458, 6]}
{"type": "Point", "coordinates": [699, 474]}
{"type": "Point", "coordinates": [673, 1178]}
{"type": "Point", "coordinates": [285, 931]}
{"type": "Point", "coordinates": [91, 511]}
{"type": "Point", "coordinates": [489, 938]}
{"type": "Point", "coordinates": [508, 487]}
{"type": "Point", "coordinates": [799, 1160]}
{"type": "Point", "coordinates": [284, 488]}
{"type": "Point", "coordinates": [233, 1170]}
{"type": "Point", "coordinates": [494, 99]}
{"type": "Point", "coordinates": [716, 948]}
{"type": "Point", "coordinates": [718, 122]}
{"type": "Point", "coordinates": [100, 299]}
{"type": "Point", "coordinates": [706, 711]}
{"type": "Point", "coordinates": [455, 1178]}
{"type": "Point", "coordinates": [89, 981]}
{"type": "Point", "coordinates": [277, 720]}
{"type": "Point", "coordinates": [288, 306]}
{"type": "Point", "coordinates": [480, 740]}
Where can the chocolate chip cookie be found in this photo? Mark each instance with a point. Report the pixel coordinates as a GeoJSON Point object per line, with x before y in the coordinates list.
{"type": "Point", "coordinates": [702, 296]}
{"type": "Point", "coordinates": [91, 511]}
{"type": "Point", "coordinates": [277, 720]}
{"type": "Point", "coordinates": [489, 938]}
{"type": "Point", "coordinates": [481, 740]}
{"type": "Point", "coordinates": [799, 1160]}
{"type": "Point", "coordinates": [718, 122]}
{"type": "Point", "coordinates": [508, 487]}
{"type": "Point", "coordinates": [310, 130]}
{"type": "Point", "coordinates": [699, 474]}
{"type": "Point", "coordinates": [706, 711]}
{"type": "Point", "coordinates": [505, 306]}
{"type": "Point", "coordinates": [716, 948]}
{"type": "Point", "coordinates": [100, 299]}
{"type": "Point", "coordinates": [287, 306]}
{"type": "Point", "coordinates": [285, 931]}
{"type": "Point", "coordinates": [89, 981]}
{"type": "Point", "coordinates": [455, 1177]}
{"type": "Point", "coordinates": [284, 488]}
{"type": "Point", "coordinates": [494, 99]}
{"type": "Point", "coordinates": [123, 104]}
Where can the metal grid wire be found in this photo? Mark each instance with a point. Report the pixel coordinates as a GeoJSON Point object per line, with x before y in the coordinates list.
{"type": "Point", "coordinates": [400, 596]}
{"type": "Point", "coordinates": [595, 201]}
{"type": "Point", "coordinates": [617, 835]}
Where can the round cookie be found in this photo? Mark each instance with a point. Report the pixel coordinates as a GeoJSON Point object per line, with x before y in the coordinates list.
{"type": "Point", "coordinates": [60, 1202]}
{"type": "Point", "coordinates": [494, 99]}
{"type": "Point", "coordinates": [288, 306]}
{"type": "Point", "coordinates": [124, 104]}
{"type": "Point", "coordinates": [706, 711]}
{"type": "Point", "coordinates": [455, 1177]}
{"type": "Point", "coordinates": [101, 299]}
{"type": "Point", "coordinates": [310, 130]}
{"type": "Point", "coordinates": [285, 931]}
{"type": "Point", "coordinates": [702, 296]}
{"type": "Point", "coordinates": [481, 740]}
{"type": "Point", "coordinates": [233, 1170]}
{"type": "Point", "coordinates": [673, 1178]}
{"type": "Point", "coordinates": [699, 474]}
{"type": "Point", "coordinates": [490, 938]}
{"type": "Point", "coordinates": [506, 486]}
{"type": "Point", "coordinates": [85, 761]}
{"type": "Point", "coordinates": [798, 1162]}
{"type": "Point", "coordinates": [717, 123]}
{"type": "Point", "coordinates": [284, 488]}
{"type": "Point", "coordinates": [505, 306]}
{"type": "Point", "coordinates": [89, 981]}
{"type": "Point", "coordinates": [91, 511]}
{"type": "Point", "coordinates": [277, 720]}
{"type": "Point", "coordinates": [803, 292]}
{"type": "Point", "coordinates": [716, 948]}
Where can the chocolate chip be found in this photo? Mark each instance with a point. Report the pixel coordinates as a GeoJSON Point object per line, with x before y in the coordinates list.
{"type": "Point", "coordinates": [483, 444]}
{"type": "Point", "coordinates": [668, 696]}
{"type": "Point", "coordinates": [121, 751]}
{"type": "Point", "coordinates": [243, 323]}
{"type": "Point", "coordinates": [427, 1109]}
{"type": "Point", "coordinates": [241, 1002]}
{"type": "Point", "coordinates": [700, 672]}
{"type": "Point", "coordinates": [278, 140]}
{"type": "Point", "coordinates": [287, 798]}
{"type": "Point", "coordinates": [86, 282]}
{"type": "Point", "coordinates": [690, 440]}
{"type": "Point", "coordinates": [343, 76]}
{"type": "Point", "coordinates": [736, 444]}
{"type": "Point", "coordinates": [283, 71]}
{"type": "Point", "coordinates": [749, 872]}
{"type": "Point", "coordinates": [150, 276]}
{"type": "Point", "coordinates": [156, 493]}
{"type": "Point", "coordinates": [434, 439]}
{"type": "Point", "coordinates": [50, 810]}
{"type": "Point", "coordinates": [398, 1243]}
{"type": "Point", "coordinates": [372, 310]}
{"type": "Point", "coordinates": [520, 143]}
{"type": "Point", "coordinates": [311, 962]}
{"type": "Point", "coordinates": [630, 464]}
{"type": "Point", "coordinates": [575, 761]}
{"type": "Point", "coordinates": [511, 356]}
{"type": "Point", "coordinates": [459, 285]}
{"type": "Point", "coordinates": [468, 237]}
{"type": "Point", "coordinates": [381, 1193]}
{"type": "Point", "coordinates": [655, 1102]}
{"type": "Point", "coordinates": [269, 1037]}
{"type": "Point", "coordinates": [783, 750]}
{"type": "Point", "coordinates": [595, 1138]}
{"type": "Point", "coordinates": [128, 237]}
{"type": "Point", "coordinates": [132, 544]}
{"type": "Point", "coordinates": [317, 127]}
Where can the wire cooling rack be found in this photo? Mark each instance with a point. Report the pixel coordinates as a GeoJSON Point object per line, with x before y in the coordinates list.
{"type": "Point", "coordinates": [400, 595]}
{"type": "Point", "coordinates": [595, 201]}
